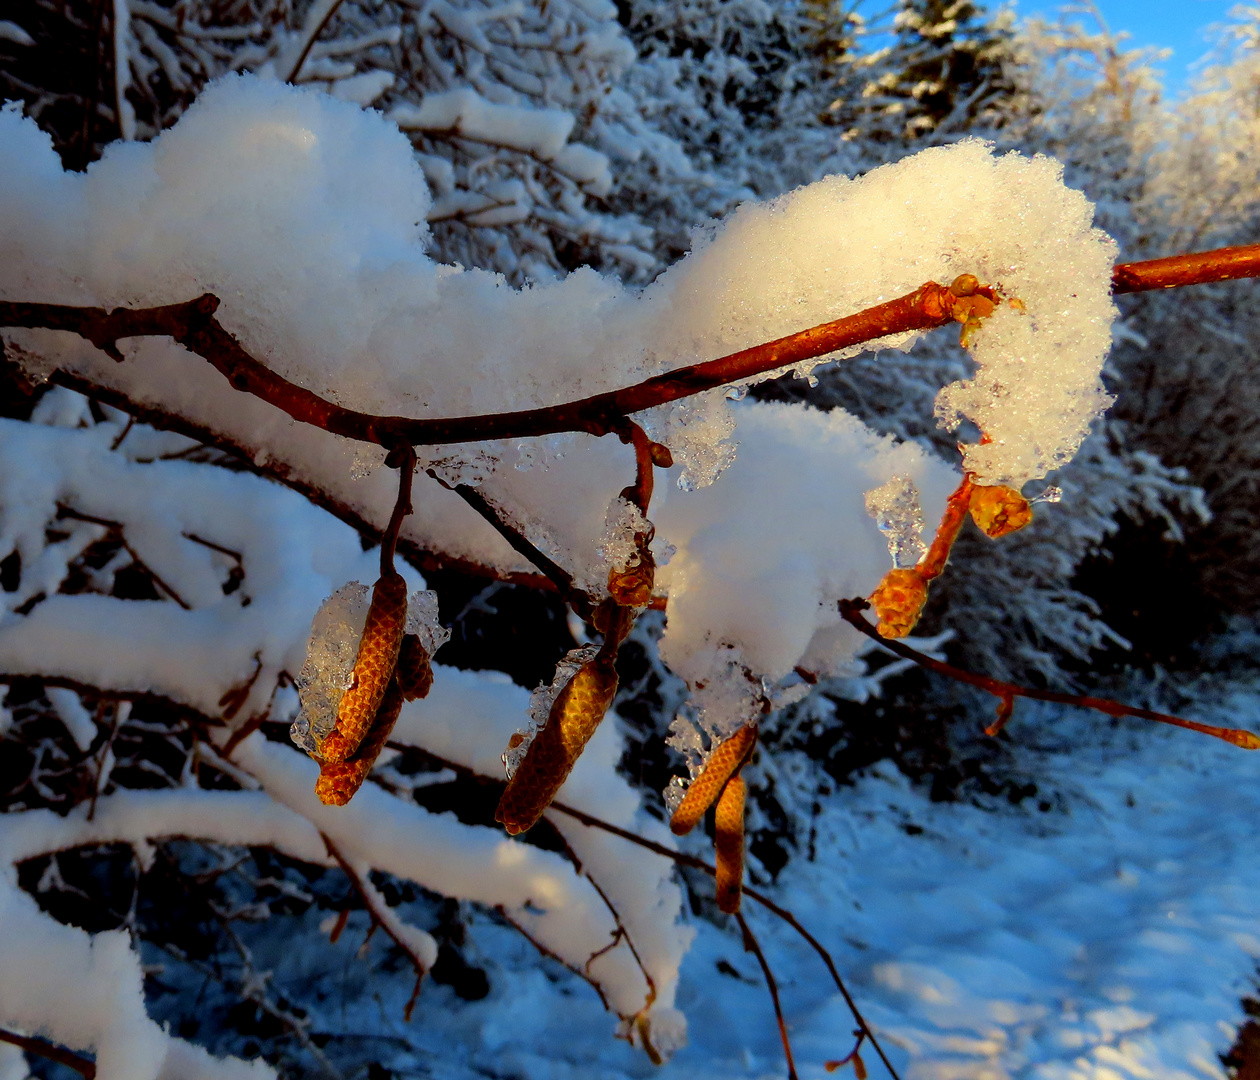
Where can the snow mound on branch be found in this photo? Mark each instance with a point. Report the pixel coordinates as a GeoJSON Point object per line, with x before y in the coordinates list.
{"type": "Point", "coordinates": [841, 245]}
{"type": "Point", "coordinates": [305, 215]}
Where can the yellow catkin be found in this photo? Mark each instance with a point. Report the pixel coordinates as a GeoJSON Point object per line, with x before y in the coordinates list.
{"type": "Point", "coordinates": [999, 511]}
{"type": "Point", "coordinates": [728, 840]}
{"type": "Point", "coordinates": [898, 601]}
{"type": "Point", "coordinates": [723, 763]}
{"type": "Point", "coordinates": [574, 716]}
{"type": "Point", "coordinates": [373, 668]}
{"type": "Point", "coordinates": [339, 780]}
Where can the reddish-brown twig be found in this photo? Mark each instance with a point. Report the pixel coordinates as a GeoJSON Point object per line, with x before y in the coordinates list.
{"type": "Point", "coordinates": [751, 945]}
{"type": "Point", "coordinates": [404, 459]}
{"type": "Point", "coordinates": [501, 911]}
{"type": "Point", "coordinates": [1200, 268]}
{"type": "Point", "coordinates": [194, 326]}
{"type": "Point", "coordinates": [851, 611]}
{"type": "Point", "coordinates": [380, 918]}
{"type": "Point", "coordinates": [85, 1067]}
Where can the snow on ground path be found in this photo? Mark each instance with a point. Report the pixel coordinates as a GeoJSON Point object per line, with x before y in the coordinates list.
{"type": "Point", "coordinates": [1110, 942]}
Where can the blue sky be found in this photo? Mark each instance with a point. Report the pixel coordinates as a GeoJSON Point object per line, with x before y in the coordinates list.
{"type": "Point", "coordinates": [1179, 25]}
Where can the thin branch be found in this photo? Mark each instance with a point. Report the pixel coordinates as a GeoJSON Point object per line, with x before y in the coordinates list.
{"type": "Point", "coordinates": [1223, 264]}
{"type": "Point", "coordinates": [501, 911]}
{"type": "Point", "coordinates": [117, 527]}
{"type": "Point", "coordinates": [519, 542]}
{"type": "Point", "coordinates": [406, 464]}
{"type": "Point", "coordinates": [193, 325]}
{"type": "Point", "coordinates": [384, 919]}
{"type": "Point", "coordinates": [751, 945]}
{"type": "Point", "coordinates": [85, 1067]}
{"type": "Point", "coordinates": [850, 611]}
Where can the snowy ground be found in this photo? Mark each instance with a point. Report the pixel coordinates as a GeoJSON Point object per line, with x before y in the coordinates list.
{"type": "Point", "coordinates": [1110, 937]}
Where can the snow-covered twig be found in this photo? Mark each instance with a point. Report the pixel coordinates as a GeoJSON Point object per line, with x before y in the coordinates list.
{"type": "Point", "coordinates": [85, 1067]}
{"type": "Point", "coordinates": [383, 918]}
{"type": "Point", "coordinates": [753, 946]}
{"type": "Point", "coordinates": [194, 326]}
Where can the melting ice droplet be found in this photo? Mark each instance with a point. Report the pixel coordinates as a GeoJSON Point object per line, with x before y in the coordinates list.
{"type": "Point", "coordinates": [897, 511]}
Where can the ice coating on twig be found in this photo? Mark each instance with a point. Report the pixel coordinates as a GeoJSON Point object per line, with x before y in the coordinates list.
{"type": "Point", "coordinates": [329, 666]}
{"type": "Point", "coordinates": [540, 702]}
{"type": "Point", "coordinates": [898, 512]}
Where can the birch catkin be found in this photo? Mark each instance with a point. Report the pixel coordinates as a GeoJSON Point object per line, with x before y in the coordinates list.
{"type": "Point", "coordinates": [728, 842]}
{"type": "Point", "coordinates": [373, 668]}
{"type": "Point", "coordinates": [726, 760]}
{"type": "Point", "coordinates": [573, 718]}
{"type": "Point", "coordinates": [339, 780]}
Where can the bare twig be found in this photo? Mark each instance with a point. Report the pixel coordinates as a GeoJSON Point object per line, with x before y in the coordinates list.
{"type": "Point", "coordinates": [751, 945]}
{"type": "Point", "coordinates": [560, 579]}
{"type": "Point", "coordinates": [85, 1067]}
{"type": "Point", "coordinates": [117, 528]}
{"type": "Point", "coordinates": [1223, 264]}
{"type": "Point", "coordinates": [380, 918]}
{"type": "Point", "coordinates": [405, 457]}
{"type": "Point", "coordinates": [501, 911]}
{"type": "Point", "coordinates": [194, 326]}
{"type": "Point", "coordinates": [850, 611]}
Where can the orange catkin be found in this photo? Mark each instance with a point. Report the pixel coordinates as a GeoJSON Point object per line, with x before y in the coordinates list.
{"type": "Point", "coordinates": [338, 781]}
{"type": "Point", "coordinates": [373, 668]}
{"type": "Point", "coordinates": [898, 601]}
{"type": "Point", "coordinates": [723, 763]}
{"type": "Point", "coordinates": [728, 841]}
{"type": "Point", "coordinates": [999, 511]}
{"type": "Point", "coordinates": [574, 716]}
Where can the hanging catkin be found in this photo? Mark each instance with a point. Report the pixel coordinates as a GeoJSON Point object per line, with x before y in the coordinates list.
{"type": "Point", "coordinates": [339, 780]}
{"type": "Point", "coordinates": [573, 718]}
{"type": "Point", "coordinates": [728, 842]}
{"type": "Point", "coordinates": [373, 668]}
{"type": "Point", "coordinates": [723, 763]}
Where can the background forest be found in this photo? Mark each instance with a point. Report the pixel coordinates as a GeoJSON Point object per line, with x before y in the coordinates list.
{"type": "Point", "coordinates": [557, 134]}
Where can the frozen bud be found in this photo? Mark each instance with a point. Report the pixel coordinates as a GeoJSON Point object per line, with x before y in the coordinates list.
{"type": "Point", "coordinates": [998, 511]}
{"type": "Point", "coordinates": [898, 602]}
{"type": "Point", "coordinates": [550, 756]}
{"type": "Point", "coordinates": [632, 585]}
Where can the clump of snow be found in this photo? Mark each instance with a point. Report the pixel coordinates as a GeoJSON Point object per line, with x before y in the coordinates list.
{"type": "Point", "coordinates": [306, 216]}
{"type": "Point", "coordinates": [764, 554]}
{"type": "Point", "coordinates": [898, 512]}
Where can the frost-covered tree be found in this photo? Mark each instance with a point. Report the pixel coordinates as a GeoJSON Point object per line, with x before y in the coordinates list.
{"type": "Point", "coordinates": [187, 558]}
